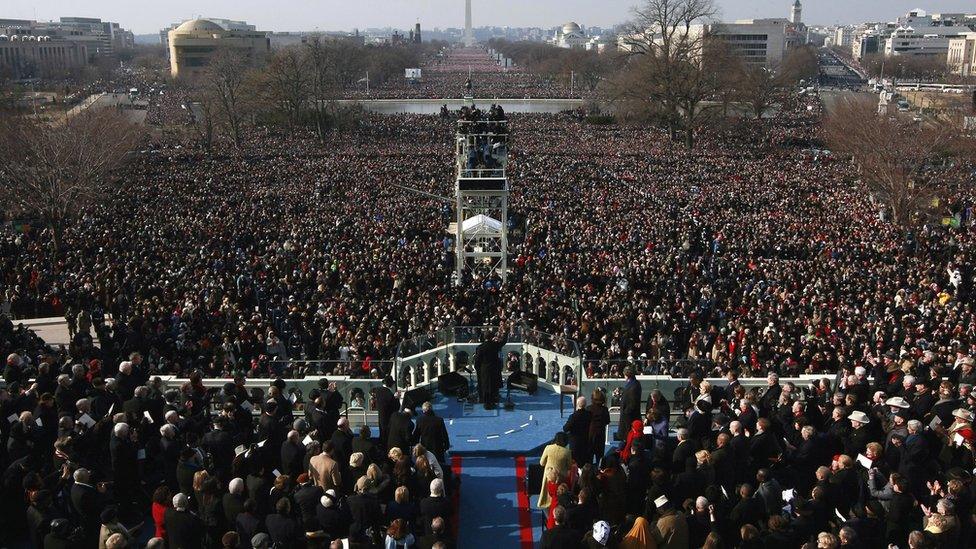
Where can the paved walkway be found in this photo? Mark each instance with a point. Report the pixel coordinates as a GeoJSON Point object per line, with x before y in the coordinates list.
{"type": "Point", "coordinates": [54, 330]}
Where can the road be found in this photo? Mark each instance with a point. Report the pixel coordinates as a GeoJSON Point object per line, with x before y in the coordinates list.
{"type": "Point", "coordinates": [832, 97]}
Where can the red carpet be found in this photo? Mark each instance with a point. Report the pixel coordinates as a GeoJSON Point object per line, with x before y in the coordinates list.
{"type": "Point", "coordinates": [456, 468]}
{"type": "Point", "coordinates": [524, 514]}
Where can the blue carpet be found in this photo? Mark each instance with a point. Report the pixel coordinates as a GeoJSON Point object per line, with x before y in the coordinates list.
{"type": "Point", "coordinates": [489, 505]}
{"type": "Point", "coordinates": [525, 430]}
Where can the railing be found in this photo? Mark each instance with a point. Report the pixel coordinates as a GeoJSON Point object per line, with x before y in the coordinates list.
{"type": "Point", "coordinates": [481, 173]}
{"type": "Point", "coordinates": [478, 334]}
{"type": "Point", "coordinates": [349, 368]}
{"type": "Point", "coordinates": [421, 359]}
{"type": "Point", "coordinates": [482, 127]}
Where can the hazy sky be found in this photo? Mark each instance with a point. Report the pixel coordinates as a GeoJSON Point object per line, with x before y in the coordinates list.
{"type": "Point", "coordinates": [146, 16]}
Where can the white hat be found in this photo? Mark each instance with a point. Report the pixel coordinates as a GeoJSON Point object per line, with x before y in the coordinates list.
{"type": "Point", "coordinates": [601, 532]}
{"type": "Point", "coordinates": [859, 417]}
{"type": "Point", "coordinates": [661, 501]}
{"type": "Point", "coordinates": [860, 371]}
{"type": "Point", "coordinates": [898, 402]}
{"type": "Point", "coordinates": [963, 413]}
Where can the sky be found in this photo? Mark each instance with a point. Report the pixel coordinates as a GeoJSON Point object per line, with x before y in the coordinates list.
{"type": "Point", "coordinates": [148, 16]}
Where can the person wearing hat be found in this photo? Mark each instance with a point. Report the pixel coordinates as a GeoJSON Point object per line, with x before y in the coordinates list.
{"type": "Point", "coordinates": [961, 436]}
{"type": "Point", "coordinates": [60, 536]}
{"type": "Point", "coordinates": [261, 541]}
{"type": "Point", "coordinates": [599, 536]}
{"type": "Point", "coordinates": [328, 516]}
{"type": "Point", "coordinates": [946, 403]}
{"type": "Point", "coordinates": [671, 528]}
{"type": "Point", "coordinates": [111, 525]}
{"type": "Point", "coordinates": [967, 372]}
{"type": "Point", "coordinates": [860, 435]}
{"type": "Point", "coordinates": [923, 400]}
{"type": "Point", "coordinates": [306, 497]}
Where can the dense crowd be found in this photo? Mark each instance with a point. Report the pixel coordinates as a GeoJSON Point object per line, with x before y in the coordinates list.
{"type": "Point", "coordinates": [849, 461]}
{"type": "Point", "coordinates": [89, 461]}
{"type": "Point", "coordinates": [444, 77]}
{"type": "Point", "coordinates": [745, 254]}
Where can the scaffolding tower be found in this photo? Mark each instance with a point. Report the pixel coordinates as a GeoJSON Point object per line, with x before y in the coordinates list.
{"type": "Point", "coordinates": [481, 235]}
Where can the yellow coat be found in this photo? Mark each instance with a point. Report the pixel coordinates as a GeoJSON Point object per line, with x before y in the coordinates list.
{"type": "Point", "coordinates": [553, 457]}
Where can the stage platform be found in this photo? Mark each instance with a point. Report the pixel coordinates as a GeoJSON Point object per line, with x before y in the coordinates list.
{"type": "Point", "coordinates": [523, 431]}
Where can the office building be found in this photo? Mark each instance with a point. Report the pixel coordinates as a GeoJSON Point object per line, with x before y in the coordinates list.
{"type": "Point", "coordinates": [194, 43]}
{"type": "Point", "coordinates": [961, 57]}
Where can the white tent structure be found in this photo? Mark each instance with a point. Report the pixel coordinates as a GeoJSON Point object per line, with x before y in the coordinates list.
{"type": "Point", "coordinates": [481, 225]}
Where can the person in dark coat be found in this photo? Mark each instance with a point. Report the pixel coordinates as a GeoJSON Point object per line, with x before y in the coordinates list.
{"type": "Point", "coordinates": [630, 403]}
{"type": "Point", "coordinates": [60, 536]}
{"type": "Point", "coordinates": [292, 455]}
{"type": "Point", "coordinates": [330, 517]}
{"type": "Point", "coordinates": [386, 406]}
{"type": "Point", "coordinates": [560, 536]}
{"type": "Point", "coordinates": [364, 509]}
{"type": "Point", "coordinates": [432, 433]}
{"type": "Point", "coordinates": [87, 502]}
{"type": "Point", "coordinates": [282, 527]}
{"type": "Point", "coordinates": [306, 497]}
{"type": "Point", "coordinates": [435, 506]}
{"type": "Point", "coordinates": [599, 420]}
{"type": "Point", "coordinates": [365, 445]}
{"type": "Point", "coordinates": [765, 448]}
{"type": "Point", "coordinates": [578, 429]}
{"type": "Point", "coordinates": [400, 431]}
{"type": "Point", "coordinates": [184, 530]}
{"type": "Point", "coordinates": [342, 441]}
{"type": "Point", "coordinates": [488, 365]}
{"type": "Point", "coordinates": [232, 503]}
{"type": "Point", "coordinates": [219, 443]}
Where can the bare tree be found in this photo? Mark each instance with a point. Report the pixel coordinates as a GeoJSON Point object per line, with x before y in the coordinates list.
{"type": "Point", "coordinates": [325, 80]}
{"type": "Point", "coordinates": [289, 82]}
{"type": "Point", "coordinates": [904, 164]}
{"type": "Point", "coordinates": [202, 106]}
{"type": "Point", "coordinates": [57, 171]}
{"type": "Point", "coordinates": [227, 79]}
{"type": "Point", "coordinates": [669, 33]}
{"type": "Point", "coordinates": [758, 89]}
{"type": "Point", "coordinates": [799, 64]}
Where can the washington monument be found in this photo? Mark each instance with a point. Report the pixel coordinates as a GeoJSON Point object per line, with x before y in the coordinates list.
{"type": "Point", "coordinates": [468, 34]}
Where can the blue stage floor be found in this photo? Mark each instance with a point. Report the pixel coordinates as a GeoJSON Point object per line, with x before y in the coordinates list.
{"type": "Point", "coordinates": [522, 431]}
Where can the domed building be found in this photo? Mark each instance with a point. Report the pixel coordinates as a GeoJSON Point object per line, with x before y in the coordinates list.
{"type": "Point", "coordinates": [569, 36]}
{"type": "Point", "coordinates": [193, 44]}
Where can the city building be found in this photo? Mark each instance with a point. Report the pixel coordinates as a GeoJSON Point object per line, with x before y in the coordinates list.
{"type": "Point", "coordinates": [918, 33]}
{"type": "Point", "coordinates": [226, 24]}
{"type": "Point", "coordinates": [26, 55]}
{"type": "Point", "coordinates": [100, 38]}
{"type": "Point", "coordinates": [759, 41]}
{"type": "Point", "coordinates": [110, 36]}
{"type": "Point", "coordinates": [570, 36]}
{"type": "Point", "coordinates": [795, 12]}
{"type": "Point", "coordinates": [194, 43]}
{"type": "Point", "coordinates": [961, 57]}
{"type": "Point", "coordinates": [843, 37]}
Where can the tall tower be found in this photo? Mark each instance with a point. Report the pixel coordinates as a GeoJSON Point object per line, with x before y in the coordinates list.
{"type": "Point", "coordinates": [468, 34]}
{"type": "Point", "coordinates": [796, 12]}
{"type": "Point", "coordinates": [481, 229]}
{"type": "Point", "coordinates": [416, 34]}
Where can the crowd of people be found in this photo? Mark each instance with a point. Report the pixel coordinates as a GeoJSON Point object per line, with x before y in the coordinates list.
{"type": "Point", "coordinates": [745, 257]}
{"type": "Point", "coordinates": [444, 76]}
{"type": "Point", "coordinates": [847, 462]}
{"type": "Point", "coordinates": [742, 254]}
{"type": "Point", "coordinates": [124, 462]}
